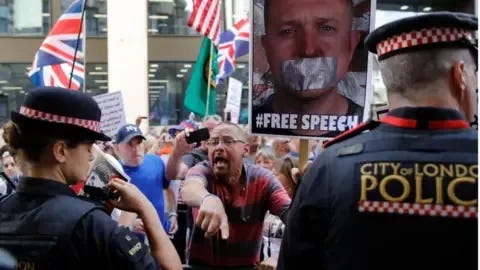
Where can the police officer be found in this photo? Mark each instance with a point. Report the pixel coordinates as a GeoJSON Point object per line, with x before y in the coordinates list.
{"type": "Point", "coordinates": [43, 224]}
{"type": "Point", "coordinates": [404, 194]}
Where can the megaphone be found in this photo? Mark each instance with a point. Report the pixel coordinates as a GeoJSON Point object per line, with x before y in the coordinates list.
{"type": "Point", "coordinates": [104, 168]}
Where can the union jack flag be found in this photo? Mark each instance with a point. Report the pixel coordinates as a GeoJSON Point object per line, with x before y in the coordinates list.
{"type": "Point", "coordinates": [234, 43]}
{"type": "Point", "coordinates": [61, 51]}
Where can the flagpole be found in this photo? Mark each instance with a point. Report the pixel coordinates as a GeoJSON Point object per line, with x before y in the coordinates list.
{"type": "Point", "coordinates": [77, 44]}
{"type": "Point", "coordinates": [84, 43]}
{"type": "Point", "coordinates": [209, 81]}
{"type": "Point", "coordinates": [227, 84]}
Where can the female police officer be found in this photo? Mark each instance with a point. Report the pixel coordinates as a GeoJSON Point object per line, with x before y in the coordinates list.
{"type": "Point", "coordinates": [43, 224]}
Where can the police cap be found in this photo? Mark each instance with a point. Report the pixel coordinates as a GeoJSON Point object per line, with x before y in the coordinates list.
{"type": "Point", "coordinates": [432, 30]}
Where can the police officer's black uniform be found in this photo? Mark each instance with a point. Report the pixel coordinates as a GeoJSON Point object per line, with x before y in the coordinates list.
{"type": "Point", "coordinates": [43, 223]}
{"type": "Point", "coordinates": [45, 226]}
{"type": "Point", "coordinates": [401, 196]}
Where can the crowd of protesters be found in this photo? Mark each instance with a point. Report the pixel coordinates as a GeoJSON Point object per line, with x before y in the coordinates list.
{"type": "Point", "coordinates": [158, 162]}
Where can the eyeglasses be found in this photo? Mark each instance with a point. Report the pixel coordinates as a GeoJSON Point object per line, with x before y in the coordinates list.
{"type": "Point", "coordinates": [215, 117]}
{"type": "Point", "coordinates": [226, 142]}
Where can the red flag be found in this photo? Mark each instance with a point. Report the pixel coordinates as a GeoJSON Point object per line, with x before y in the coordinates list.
{"type": "Point", "coordinates": [205, 18]}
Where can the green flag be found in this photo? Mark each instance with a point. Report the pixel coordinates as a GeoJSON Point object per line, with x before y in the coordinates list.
{"type": "Point", "coordinates": [196, 93]}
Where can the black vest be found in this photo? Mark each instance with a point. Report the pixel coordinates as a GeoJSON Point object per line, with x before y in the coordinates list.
{"type": "Point", "coordinates": [37, 231]}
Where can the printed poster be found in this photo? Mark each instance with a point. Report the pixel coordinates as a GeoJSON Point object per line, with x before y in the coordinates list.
{"type": "Point", "coordinates": [308, 67]}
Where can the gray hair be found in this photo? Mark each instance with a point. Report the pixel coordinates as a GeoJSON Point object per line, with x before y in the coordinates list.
{"type": "Point", "coordinates": [266, 153]}
{"type": "Point", "coordinates": [410, 73]}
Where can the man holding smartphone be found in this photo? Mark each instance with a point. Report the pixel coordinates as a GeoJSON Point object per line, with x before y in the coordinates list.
{"type": "Point", "coordinates": [184, 156]}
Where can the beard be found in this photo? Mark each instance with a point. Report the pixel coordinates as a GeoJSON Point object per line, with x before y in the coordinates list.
{"type": "Point", "coordinates": [228, 177]}
{"type": "Point", "coordinates": [221, 176]}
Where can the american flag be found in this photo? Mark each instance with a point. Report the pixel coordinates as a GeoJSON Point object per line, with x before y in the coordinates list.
{"type": "Point", "coordinates": [53, 62]}
{"type": "Point", "coordinates": [234, 43]}
{"type": "Point", "coordinates": [205, 19]}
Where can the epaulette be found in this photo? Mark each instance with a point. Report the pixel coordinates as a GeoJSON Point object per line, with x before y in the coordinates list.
{"type": "Point", "coordinates": [367, 125]}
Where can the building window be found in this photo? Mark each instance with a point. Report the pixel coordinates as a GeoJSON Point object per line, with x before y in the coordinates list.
{"type": "Point", "coordinates": [24, 17]}
{"type": "Point", "coordinates": [388, 11]}
{"type": "Point", "coordinates": [96, 82]}
{"type": "Point", "coordinates": [95, 15]}
{"type": "Point", "coordinates": [14, 84]}
{"type": "Point", "coordinates": [169, 17]}
{"type": "Point", "coordinates": [166, 91]}
{"type": "Point", "coordinates": [164, 17]}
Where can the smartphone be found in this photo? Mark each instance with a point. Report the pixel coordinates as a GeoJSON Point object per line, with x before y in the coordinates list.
{"type": "Point", "coordinates": [198, 135]}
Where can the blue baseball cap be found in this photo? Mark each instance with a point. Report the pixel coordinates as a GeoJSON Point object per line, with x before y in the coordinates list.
{"type": "Point", "coordinates": [128, 132]}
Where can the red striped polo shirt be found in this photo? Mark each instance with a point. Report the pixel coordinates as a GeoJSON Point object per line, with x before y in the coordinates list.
{"type": "Point", "coordinates": [261, 192]}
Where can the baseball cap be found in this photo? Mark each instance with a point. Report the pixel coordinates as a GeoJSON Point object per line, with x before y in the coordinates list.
{"type": "Point", "coordinates": [128, 132]}
{"type": "Point", "coordinates": [184, 124]}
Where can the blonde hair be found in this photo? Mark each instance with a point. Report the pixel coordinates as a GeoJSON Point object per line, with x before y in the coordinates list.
{"type": "Point", "coordinates": [285, 166]}
{"type": "Point", "coordinates": [150, 142]}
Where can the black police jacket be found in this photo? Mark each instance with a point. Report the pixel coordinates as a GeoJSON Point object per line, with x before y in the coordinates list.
{"type": "Point", "coordinates": [402, 196]}
{"type": "Point", "coordinates": [45, 226]}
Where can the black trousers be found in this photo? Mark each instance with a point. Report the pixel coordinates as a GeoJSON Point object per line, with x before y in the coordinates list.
{"type": "Point", "coordinates": [180, 239]}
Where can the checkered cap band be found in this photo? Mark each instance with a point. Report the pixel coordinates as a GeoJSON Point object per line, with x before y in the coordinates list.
{"type": "Point", "coordinates": [418, 209]}
{"type": "Point", "coordinates": [35, 114]}
{"type": "Point", "coordinates": [422, 37]}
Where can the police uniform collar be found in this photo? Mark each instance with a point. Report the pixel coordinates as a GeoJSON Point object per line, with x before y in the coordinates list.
{"type": "Point", "coordinates": [39, 186]}
{"type": "Point", "coordinates": [425, 118]}
{"type": "Point", "coordinates": [415, 118]}
{"type": "Point", "coordinates": [364, 126]}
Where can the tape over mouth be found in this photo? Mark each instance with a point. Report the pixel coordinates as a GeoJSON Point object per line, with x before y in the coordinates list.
{"type": "Point", "coordinates": [309, 73]}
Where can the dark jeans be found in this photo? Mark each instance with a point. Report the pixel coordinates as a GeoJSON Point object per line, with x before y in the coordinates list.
{"type": "Point", "coordinates": [180, 239]}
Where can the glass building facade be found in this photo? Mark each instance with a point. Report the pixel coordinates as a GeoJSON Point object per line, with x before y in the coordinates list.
{"type": "Point", "coordinates": [166, 91]}
{"type": "Point", "coordinates": [24, 17]}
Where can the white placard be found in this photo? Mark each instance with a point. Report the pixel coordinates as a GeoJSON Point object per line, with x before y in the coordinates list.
{"type": "Point", "coordinates": [113, 112]}
{"type": "Point", "coordinates": [234, 97]}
